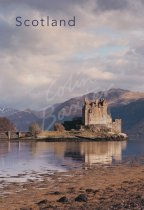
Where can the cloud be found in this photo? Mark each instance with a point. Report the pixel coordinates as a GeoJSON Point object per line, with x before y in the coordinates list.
{"type": "Point", "coordinates": [42, 66]}
{"type": "Point", "coordinates": [106, 5]}
{"type": "Point", "coordinates": [98, 74]}
{"type": "Point", "coordinates": [49, 6]}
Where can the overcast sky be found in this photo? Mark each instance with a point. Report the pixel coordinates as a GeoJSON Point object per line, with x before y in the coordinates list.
{"type": "Point", "coordinates": [46, 65]}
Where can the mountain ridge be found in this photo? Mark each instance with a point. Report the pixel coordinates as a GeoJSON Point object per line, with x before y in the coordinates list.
{"type": "Point", "coordinates": [124, 104]}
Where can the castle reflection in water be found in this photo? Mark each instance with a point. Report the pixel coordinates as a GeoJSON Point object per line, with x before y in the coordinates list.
{"type": "Point", "coordinates": [91, 152]}
{"type": "Point", "coordinates": [86, 152]}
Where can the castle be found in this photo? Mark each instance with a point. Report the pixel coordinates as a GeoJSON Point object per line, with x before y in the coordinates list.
{"type": "Point", "coordinates": [96, 113]}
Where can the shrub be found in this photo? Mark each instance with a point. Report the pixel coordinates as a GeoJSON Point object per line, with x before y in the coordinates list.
{"type": "Point", "coordinates": [34, 129]}
{"type": "Point", "coordinates": [59, 127]}
{"type": "Point", "coordinates": [6, 125]}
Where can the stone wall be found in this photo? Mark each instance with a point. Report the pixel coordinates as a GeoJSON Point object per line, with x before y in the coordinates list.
{"type": "Point", "coordinates": [95, 113]}
{"type": "Point", "coordinates": [116, 126]}
{"type": "Point", "coordinates": [10, 135]}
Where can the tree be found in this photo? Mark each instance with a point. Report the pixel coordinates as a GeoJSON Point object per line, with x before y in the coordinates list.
{"type": "Point", "coordinates": [59, 127]}
{"type": "Point", "coordinates": [34, 129]}
{"type": "Point", "coordinates": [6, 125]}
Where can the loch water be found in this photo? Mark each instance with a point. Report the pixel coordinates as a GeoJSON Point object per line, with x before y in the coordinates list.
{"type": "Point", "coordinates": [24, 160]}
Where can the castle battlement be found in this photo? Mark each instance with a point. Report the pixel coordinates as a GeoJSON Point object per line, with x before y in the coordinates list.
{"type": "Point", "coordinates": [96, 113]}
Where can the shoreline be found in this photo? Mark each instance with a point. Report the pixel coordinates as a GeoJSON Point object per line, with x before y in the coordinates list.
{"type": "Point", "coordinates": [102, 187]}
{"type": "Point", "coordinates": [62, 136]}
{"type": "Point", "coordinates": [68, 139]}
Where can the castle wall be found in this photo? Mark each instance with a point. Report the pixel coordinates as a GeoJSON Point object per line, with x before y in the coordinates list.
{"type": "Point", "coordinates": [95, 113]}
{"type": "Point", "coordinates": [85, 116]}
{"type": "Point", "coordinates": [116, 126]}
{"type": "Point", "coordinates": [99, 117]}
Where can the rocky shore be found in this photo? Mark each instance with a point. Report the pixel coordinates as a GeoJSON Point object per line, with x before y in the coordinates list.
{"type": "Point", "coordinates": [116, 187]}
{"type": "Point", "coordinates": [85, 135]}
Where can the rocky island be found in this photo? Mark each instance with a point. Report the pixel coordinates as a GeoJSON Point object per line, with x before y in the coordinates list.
{"type": "Point", "coordinates": [97, 125]}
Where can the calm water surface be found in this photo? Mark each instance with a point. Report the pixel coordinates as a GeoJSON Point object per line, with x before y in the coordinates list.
{"type": "Point", "coordinates": [23, 160]}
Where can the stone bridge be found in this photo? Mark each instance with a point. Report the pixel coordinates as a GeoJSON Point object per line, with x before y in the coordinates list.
{"type": "Point", "coordinates": [12, 134]}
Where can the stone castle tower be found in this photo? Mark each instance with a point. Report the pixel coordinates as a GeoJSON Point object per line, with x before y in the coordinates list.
{"type": "Point", "coordinates": [96, 113]}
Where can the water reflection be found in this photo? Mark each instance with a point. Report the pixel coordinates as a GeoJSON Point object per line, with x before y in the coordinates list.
{"type": "Point", "coordinates": [90, 152]}
{"type": "Point", "coordinates": [20, 157]}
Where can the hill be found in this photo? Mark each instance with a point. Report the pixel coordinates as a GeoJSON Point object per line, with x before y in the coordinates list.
{"type": "Point", "coordinates": [124, 104]}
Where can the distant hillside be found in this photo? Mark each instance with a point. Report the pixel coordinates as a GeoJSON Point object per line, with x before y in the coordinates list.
{"type": "Point", "coordinates": [132, 115]}
{"type": "Point", "coordinates": [124, 104]}
{"type": "Point", "coordinates": [23, 119]}
{"type": "Point", "coordinates": [6, 111]}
